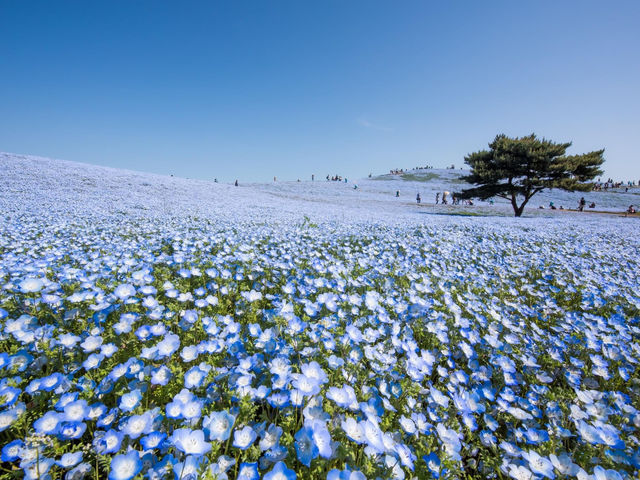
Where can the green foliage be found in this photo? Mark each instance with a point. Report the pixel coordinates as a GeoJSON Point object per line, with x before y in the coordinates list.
{"type": "Point", "coordinates": [521, 167]}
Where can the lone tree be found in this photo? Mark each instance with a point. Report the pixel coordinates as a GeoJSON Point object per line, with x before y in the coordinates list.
{"type": "Point", "coordinates": [518, 168]}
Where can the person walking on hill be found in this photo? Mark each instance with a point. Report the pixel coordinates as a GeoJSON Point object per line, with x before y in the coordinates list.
{"type": "Point", "coordinates": [236, 184]}
{"type": "Point", "coordinates": [418, 199]}
{"type": "Point", "coordinates": [581, 204]}
{"type": "Point", "coordinates": [437, 198]}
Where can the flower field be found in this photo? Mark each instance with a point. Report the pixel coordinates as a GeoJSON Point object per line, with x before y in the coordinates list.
{"type": "Point", "coordinates": [196, 349]}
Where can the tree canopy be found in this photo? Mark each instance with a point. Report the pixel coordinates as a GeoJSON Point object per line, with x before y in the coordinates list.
{"type": "Point", "coordinates": [518, 168]}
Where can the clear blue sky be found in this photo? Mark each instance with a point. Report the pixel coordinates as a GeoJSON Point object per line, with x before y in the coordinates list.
{"type": "Point", "coordinates": [253, 89]}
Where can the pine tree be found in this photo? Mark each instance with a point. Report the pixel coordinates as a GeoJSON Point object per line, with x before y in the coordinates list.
{"type": "Point", "coordinates": [518, 168]}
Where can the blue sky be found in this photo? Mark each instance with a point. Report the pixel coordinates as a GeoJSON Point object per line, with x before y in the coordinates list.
{"type": "Point", "coordinates": [253, 89]}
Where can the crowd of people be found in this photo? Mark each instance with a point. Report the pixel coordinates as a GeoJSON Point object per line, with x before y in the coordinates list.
{"type": "Point", "coordinates": [400, 171]}
{"type": "Point", "coordinates": [336, 178]}
{"type": "Point", "coordinates": [604, 186]}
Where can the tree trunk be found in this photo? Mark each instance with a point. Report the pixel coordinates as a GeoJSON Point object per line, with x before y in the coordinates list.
{"type": "Point", "coordinates": [518, 209]}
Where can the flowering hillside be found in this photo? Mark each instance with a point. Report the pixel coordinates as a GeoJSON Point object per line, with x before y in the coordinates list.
{"type": "Point", "coordinates": [157, 327]}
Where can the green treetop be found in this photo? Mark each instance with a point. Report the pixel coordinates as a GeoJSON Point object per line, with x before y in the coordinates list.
{"type": "Point", "coordinates": [518, 168]}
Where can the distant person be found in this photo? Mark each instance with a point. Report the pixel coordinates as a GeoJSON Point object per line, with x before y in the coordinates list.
{"type": "Point", "coordinates": [581, 204]}
{"type": "Point", "coordinates": [437, 198]}
{"type": "Point", "coordinates": [355, 186]}
{"type": "Point", "coordinates": [274, 179]}
{"type": "Point", "coordinates": [313, 177]}
{"type": "Point", "coordinates": [592, 205]}
{"type": "Point", "coordinates": [215, 180]}
{"type": "Point", "coordinates": [631, 209]}
{"type": "Point", "coordinates": [418, 199]}
{"type": "Point", "coordinates": [236, 184]}
{"type": "Point", "coordinates": [444, 197]}
{"type": "Point", "coordinates": [397, 193]}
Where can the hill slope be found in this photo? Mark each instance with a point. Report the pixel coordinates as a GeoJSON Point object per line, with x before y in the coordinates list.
{"type": "Point", "coordinates": [46, 187]}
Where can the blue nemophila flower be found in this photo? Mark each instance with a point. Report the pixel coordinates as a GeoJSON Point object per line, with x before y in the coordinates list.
{"type": "Point", "coordinates": [70, 460]}
{"type": "Point", "coordinates": [168, 345]}
{"type": "Point", "coordinates": [520, 472]}
{"type": "Point", "coordinates": [600, 473]}
{"type": "Point", "coordinates": [137, 425]}
{"type": "Point", "coordinates": [8, 395]}
{"type": "Point", "coordinates": [79, 471]}
{"type": "Point", "coordinates": [129, 401]}
{"type": "Point", "coordinates": [108, 442]}
{"type": "Point", "coordinates": [609, 435]}
{"type": "Point", "coordinates": [564, 464]}
{"type": "Point", "coordinates": [20, 360]}
{"type": "Point", "coordinates": [189, 353]}
{"type": "Point", "coordinates": [344, 397]}
{"type": "Point", "coordinates": [91, 343]}
{"type": "Point", "coordinates": [4, 360]}
{"type": "Point", "coordinates": [143, 332]}
{"type": "Point", "coordinates": [38, 470]}
{"type": "Point", "coordinates": [50, 382]}
{"type": "Point", "coordinates": [538, 464]}
{"type": "Point", "coordinates": [31, 285]}
{"type": "Point", "coordinates": [11, 451]}
{"type": "Point", "coordinates": [244, 437]}
{"type": "Point", "coordinates": [161, 375]}
{"type": "Point", "coordinates": [307, 386]}
{"type": "Point", "coordinates": [248, 471]}
{"type": "Point", "coordinates": [353, 429]}
{"type": "Point", "coordinates": [306, 448]}
{"type": "Point", "coordinates": [189, 468]}
{"type": "Point", "coordinates": [270, 437]}
{"type": "Point", "coordinates": [280, 472]}
{"type": "Point", "coordinates": [194, 377]}
{"type": "Point", "coordinates": [134, 367]}
{"type": "Point", "coordinates": [68, 340]}
{"type": "Point", "coordinates": [49, 423]}
{"type": "Point", "coordinates": [190, 442]}
{"type": "Point", "coordinates": [76, 411]}
{"type": "Point", "coordinates": [451, 441]}
{"type": "Point", "coordinates": [125, 466]}
{"type": "Point", "coordinates": [124, 291]}
{"type": "Point", "coordinates": [107, 418]}
{"type": "Point", "coordinates": [433, 464]}
{"type": "Point", "coordinates": [153, 440]}
{"type": "Point", "coordinates": [321, 437]}
{"type": "Point", "coordinates": [279, 400]}
{"type": "Point", "coordinates": [72, 430]}
{"type": "Point", "coordinates": [192, 410]}
{"type": "Point", "coordinates": [535, 436]}
{"type": "Point", "coordinates": [406, 456]}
